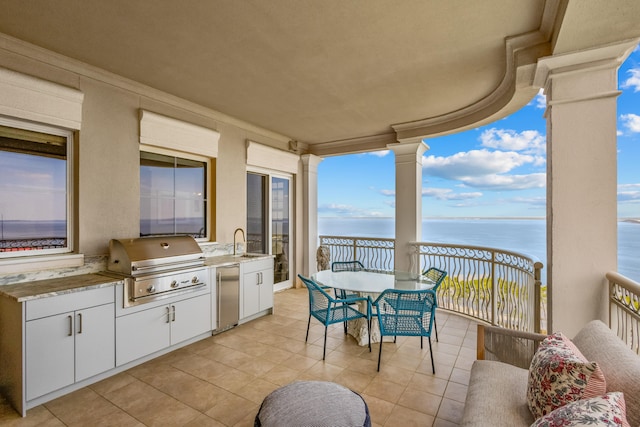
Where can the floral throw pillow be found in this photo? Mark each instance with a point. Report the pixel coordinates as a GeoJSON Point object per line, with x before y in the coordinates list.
{"type": "Point", "coordinates": [602, 411]}
{"type": "Point", "coordinates": [560, 374]}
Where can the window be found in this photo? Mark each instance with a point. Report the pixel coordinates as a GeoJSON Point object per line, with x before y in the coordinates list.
{"type": "Point", "coordinates": [34, 189]}
{"type": "Point", "coordinates": [173, 195]}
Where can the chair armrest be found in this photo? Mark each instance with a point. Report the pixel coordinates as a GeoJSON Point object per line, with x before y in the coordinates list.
{"type": "Point", "coordinates": [355, 300]}
{"type": "Point", "coordinates": [352, 300]}
{"type": "Point", "coordinates": [506, 345]}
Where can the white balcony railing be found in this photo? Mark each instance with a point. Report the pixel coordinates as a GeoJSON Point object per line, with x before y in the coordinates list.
{"type": "Point", "coordinates": [624, 309]}
{"type": "Point", "coordinates": [498, 287]}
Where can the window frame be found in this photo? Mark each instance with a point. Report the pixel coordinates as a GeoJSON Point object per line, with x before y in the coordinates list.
{"type": "Point", "coordinates": [208, 181]}
{"type": "Point", "coordinates": [69, 185]}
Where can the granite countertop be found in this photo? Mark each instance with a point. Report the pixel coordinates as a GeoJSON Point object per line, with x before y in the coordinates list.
{"type": "Point", "coordinates": [36, 289]}
{"type": "Point", "coordinates": [222, 260]}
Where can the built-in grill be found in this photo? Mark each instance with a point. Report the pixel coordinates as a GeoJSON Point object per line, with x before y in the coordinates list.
{"type": "Point", "coordinates": [157, 267]}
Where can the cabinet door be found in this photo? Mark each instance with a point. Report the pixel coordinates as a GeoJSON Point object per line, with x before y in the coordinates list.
{"type": "Point", "coordinates": [141, 333]}
{"type": "Point", "coordinates": [190, 318]}
{"type": "Point", "coordinates": [266, 289]}
{"type": "Point", "coordinates": [49, 354]}
{"type": "Point", "coordinates": [250, 294]}
{"type": "Point", "coordinates": [95, 340]}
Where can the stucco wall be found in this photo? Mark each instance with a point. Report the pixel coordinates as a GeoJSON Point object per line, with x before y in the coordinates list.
{"type": "Point", "coordinates": [107, 154]}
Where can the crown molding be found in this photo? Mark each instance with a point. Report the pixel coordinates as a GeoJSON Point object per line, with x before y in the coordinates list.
{"type": "Point", "coordinates": [522, 53]}
{"type": "Point", "coordinates": [363, 144]}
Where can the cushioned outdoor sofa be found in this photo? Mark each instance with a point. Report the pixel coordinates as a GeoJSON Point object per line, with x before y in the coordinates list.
{"type": "Point", "coordinates": [509, 388]}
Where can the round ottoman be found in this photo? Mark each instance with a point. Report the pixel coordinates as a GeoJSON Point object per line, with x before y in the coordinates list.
{"type": "Point", "coordinates": [313, 403]}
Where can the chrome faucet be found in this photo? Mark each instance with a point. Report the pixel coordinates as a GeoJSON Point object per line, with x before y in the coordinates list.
{"type": "Point", "coordinates": [244, 239]}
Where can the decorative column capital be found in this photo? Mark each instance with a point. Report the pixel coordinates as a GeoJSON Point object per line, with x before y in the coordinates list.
{"type": "Point", "coordinates": [589, 70]}
{"type": "Point", "coordinates": [310, 162]}
{"type": "Point", "coordinates": [406, 150]}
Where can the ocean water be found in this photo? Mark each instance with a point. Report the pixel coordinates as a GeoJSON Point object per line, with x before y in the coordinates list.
{"type": "Point", "coordinates": [526, 236]}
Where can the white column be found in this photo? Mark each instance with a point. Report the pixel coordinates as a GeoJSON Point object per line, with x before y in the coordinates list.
{"type": "Point", "coordinates": [581, 91]}
{"type": "Point", "coordinates": [408, 198]}
{"type": "Point", "coordinates": [310, 213]}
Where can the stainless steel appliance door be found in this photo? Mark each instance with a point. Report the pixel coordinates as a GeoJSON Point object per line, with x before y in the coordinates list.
{"type": "Point", "coordinates": [228, 296]}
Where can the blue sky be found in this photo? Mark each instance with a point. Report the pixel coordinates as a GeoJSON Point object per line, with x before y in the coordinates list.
{"type": "Point", "coordinates": [497, 170]}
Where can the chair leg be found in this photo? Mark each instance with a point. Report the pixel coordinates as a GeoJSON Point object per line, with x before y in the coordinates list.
{"type": "Point", "coordinates": [369, 334]}
{"type": "Point", "coordinates": [308, 324]}
{"type": "Point", "coordinates": [421, 342]}
{"type": "Point", "coordinates": [435, 326]}
{"type": "Point", "coordinates": [380, 353]}
{"type": "Point", "coordinates": [324, 349]}
{"type": "Point", "coordinates": [433, 366]}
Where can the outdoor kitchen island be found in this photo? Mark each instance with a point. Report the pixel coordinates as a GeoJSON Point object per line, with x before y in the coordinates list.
{"type": "Point", "coordinates": [59, 335]}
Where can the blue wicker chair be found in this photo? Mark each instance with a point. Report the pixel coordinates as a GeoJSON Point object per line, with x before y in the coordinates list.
{"type": "Point", "coordinates": [436, 276]}
{"type": "Point", "coordinates": [346, 266]}
{"type": "Point", "coordinates": [406, 313]}
{"type": "Point", "coordinates": [329, 310]}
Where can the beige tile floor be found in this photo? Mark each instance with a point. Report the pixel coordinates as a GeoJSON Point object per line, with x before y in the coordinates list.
{"type": "Point", "coordinates": [221, 381]}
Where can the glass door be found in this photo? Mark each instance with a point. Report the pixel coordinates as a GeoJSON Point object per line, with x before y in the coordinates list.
{"type": "Point", "coordinates": [268, 221]}
{"type": "Point", "coordinates": [280, 228]}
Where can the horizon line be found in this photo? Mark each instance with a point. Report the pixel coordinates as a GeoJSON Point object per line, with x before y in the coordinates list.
{"type": "Point", "coordinates": [631, 219]}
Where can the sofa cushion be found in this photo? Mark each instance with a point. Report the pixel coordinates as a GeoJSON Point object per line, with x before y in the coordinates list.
{"type": "Point", "coordinates": [496, 396]}
{"type": "Point", "coordinates": [600, 411]}
{"type": "Point", "coordinates": [620, 365]}
{"type": "Point", "coordinates": [560, 374]}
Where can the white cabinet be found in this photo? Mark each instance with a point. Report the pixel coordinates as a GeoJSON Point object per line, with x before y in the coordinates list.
{"type": "Point", "coordinates": [147, 331]}
{"type": "Point", "coordinates": [62, 348]}
{"type": "Point", "coordinates": [257, 287]}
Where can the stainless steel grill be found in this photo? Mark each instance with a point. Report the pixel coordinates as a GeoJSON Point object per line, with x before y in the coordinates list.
{"type": "Point", "coordinates": [157, 267]}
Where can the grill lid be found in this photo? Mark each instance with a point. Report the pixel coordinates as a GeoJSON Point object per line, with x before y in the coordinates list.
{"type": "Point", "coordinates": [146, 255]}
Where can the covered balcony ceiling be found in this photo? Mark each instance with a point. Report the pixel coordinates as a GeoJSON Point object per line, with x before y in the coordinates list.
{"type": "Point", "coordinates": [335, 75]}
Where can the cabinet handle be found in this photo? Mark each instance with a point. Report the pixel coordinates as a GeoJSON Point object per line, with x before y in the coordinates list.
{"type": "Point", "coordinates": [168, 315]}
{"type": "Point", "coordinates": [257, 279]}
{"type": "Point", "coordinates": [70, 325]}
{"type": "Point", "coordinates": [79, 323]}
{"type": "Point", "coordinates": [219, 284]}
{"type": "Point", "coordinates": [173, 308]}
{"type": "Point", "coordinates": [261, 278]}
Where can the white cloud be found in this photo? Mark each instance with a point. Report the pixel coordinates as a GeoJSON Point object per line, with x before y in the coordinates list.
{"type": "Point", "coordinates": [507, 182]}
{"type": "Point", "coordinates": [540, 100]}
{"type": "Point", "coordinates": [534, 201]}
{"type": "Point", "coordinates": [389, 193]}
{"type": "Point", "coordinates": [345, 210]}
{"type": "Point", "coordinates": [381, 153]}
{"type": "Point", "coordinates": [629, 193]}
{"type": "Point", "coordinates": [448, 194]}
{"type": "Point", "coordinates": [629, 187]}
{"type": "Point", "coordinates": [474, 163]}
{"type": "Point", "coordinates": [528, 141]}
{"type": "Point", "coordinates": [631, 122]}
{"type": "Point", "coordinates": [633, 82]}
{"type": "Point", "coordinates": [488, 170]}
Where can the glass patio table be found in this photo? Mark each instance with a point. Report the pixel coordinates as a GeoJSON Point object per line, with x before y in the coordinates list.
{"type": "Point", "coordinates": [371, 284]}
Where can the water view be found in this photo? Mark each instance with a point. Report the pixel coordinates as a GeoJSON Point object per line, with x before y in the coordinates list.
{"type": "Point", "coordinates": [526, 236]}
